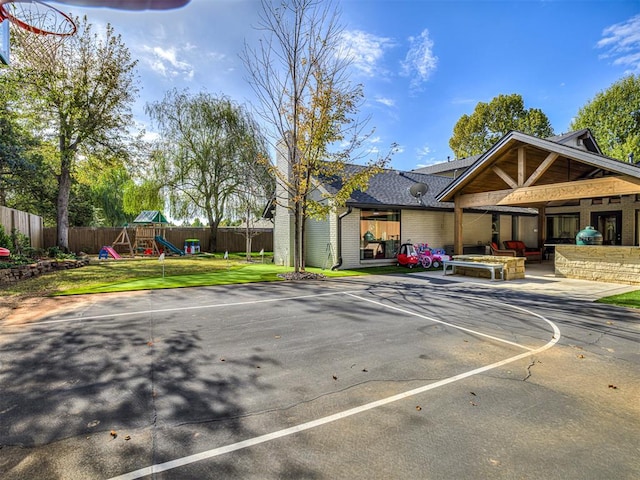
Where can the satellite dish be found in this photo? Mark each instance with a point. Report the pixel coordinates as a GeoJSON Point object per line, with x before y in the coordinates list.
{"type": "Point", "coordinates": [418, 190]}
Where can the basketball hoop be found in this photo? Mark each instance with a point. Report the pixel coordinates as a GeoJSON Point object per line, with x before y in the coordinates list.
{"type": "Point", "coordinates": [37, 17]}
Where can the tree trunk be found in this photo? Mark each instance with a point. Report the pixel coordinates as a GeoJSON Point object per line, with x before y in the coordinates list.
{"type": "Point", "coordinates": [62, 207]}
{"type": "Point", "coordinates": [213, 238]}
{"type": "Point", "coordinates": [297, 240]}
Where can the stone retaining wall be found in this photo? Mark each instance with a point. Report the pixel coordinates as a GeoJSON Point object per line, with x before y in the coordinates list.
{"type": "Point", "coordinates": [22, 272]}
{"type": "Point", "coordinates": [600, 263]}
{"type": "Point", "coordinates": [513, 267]}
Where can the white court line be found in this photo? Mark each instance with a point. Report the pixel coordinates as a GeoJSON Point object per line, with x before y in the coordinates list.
{"type": "Point", "coordinates": [179, 462]}
{"type": "Point", "coordinates": [415, 314]}
{"type": "Point", "coordinates": [166, 310]}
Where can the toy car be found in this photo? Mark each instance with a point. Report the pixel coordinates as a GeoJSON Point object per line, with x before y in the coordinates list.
{"type": "Point", "coordinates": [407, 256]}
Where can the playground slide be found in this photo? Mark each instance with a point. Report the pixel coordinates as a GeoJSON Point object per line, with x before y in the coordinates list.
{"type": "Point", "coordinates": [168, 245]}
{"type": "Point", "coordinates": [112, 252]}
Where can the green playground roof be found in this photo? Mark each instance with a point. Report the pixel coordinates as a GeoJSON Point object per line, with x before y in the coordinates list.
{"type": "Point", "coordinates": [150, 216]}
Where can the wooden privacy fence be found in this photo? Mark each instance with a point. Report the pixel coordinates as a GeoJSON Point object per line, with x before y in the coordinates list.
{"type": "Point", "coordinates": [30, 225]}
{"type": "Point", "coordinates": [92, 239]}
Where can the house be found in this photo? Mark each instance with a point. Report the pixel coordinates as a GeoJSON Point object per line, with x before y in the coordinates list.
{"type": "Point", "coordinates": [536, 190]}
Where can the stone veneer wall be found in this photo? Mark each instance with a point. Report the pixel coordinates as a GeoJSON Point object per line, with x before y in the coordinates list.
{"type": "Point", "coordinates": [601, 263]}
{"type": "Point", "coordinates": [22, 272]}
{"type": "Point", "coordinates": [513, 267]}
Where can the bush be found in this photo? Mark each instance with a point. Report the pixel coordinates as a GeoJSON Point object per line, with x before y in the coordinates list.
{"type": "Point", "coordinates": [5, 240]}
{"type": "Point", "coordinates": [21, 243]}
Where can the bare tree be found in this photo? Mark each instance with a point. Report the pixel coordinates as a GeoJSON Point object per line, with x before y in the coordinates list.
{"type": "Point", "coordinates": [299, 72]}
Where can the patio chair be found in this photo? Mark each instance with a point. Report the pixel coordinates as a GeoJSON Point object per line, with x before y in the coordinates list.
{"type": "Point", "coordinates": [524, 251]}
{"type": "Point", "coordinates": [503, 253]}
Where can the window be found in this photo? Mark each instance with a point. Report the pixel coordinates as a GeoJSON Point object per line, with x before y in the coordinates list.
{"type": "Point", "coordinates": [379, 234]}
{"type": "Point", "coordinates": [563, 228]}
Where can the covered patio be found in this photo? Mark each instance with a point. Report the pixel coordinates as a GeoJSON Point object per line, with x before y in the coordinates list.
{"type": "Point", "coordinates": [525, 171]}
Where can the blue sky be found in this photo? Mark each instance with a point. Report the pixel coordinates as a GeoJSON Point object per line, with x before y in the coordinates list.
{"type": "Point", "coordinates": [423, 64]}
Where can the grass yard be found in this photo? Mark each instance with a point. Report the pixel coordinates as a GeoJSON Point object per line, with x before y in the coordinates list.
{"type": "Point", "coordinates": [630, 299]}
{"type": "Point", "coordinates": [191, 271]}
{"type": "Point", "coordinates": [147, 273]}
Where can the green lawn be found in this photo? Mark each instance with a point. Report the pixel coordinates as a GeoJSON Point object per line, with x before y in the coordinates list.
{"type": "Point", "coordinates": [192, 271]}
{"type": "Point", "coordinates": [147, 274]}
{"type": "Point", "coordinates": [630, 299]}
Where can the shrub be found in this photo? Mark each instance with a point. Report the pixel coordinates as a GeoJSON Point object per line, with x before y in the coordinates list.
{"type": "Point", "coordinates": [5, 240]}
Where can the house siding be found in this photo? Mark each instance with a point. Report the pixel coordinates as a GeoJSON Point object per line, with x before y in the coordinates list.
{"type": "Point", "coordinates": [283, 226]}
{"type": "Point", "coordinates": [351, 240]}
{"type": "Point", "coordinates": [424, 227]}
{"type": "Point", "coordinates": [318, 245]}
{"type": "Point", "coordinates": [416, 226]}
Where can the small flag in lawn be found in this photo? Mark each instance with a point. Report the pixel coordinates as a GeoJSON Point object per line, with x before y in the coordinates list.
{"type": "Point", "coordinates": [262, 252]}
{"type": "Point", "coordinates": [226, 255]}
{"type": "Point", "coordinates": [161, 257]}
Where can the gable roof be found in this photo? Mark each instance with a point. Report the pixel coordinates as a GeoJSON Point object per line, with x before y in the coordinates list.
{"type": "Point", "coordinates": [390, 189]}
{"type": "Point", "coordinates": [150, 216]}
{"type": "Point", "coordinates": [451, 166]}
{"type": "Point", "coordinates": [559, 162]}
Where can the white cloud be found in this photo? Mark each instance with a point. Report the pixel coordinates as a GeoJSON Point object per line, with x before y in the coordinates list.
{"type": "Point", "coordinates": [385, 101]}
{"type": "Point", "coordinates": [420, 61]}
{"type": "Point", "coordinates": [423, 152]}
{"type": "Point", "coordinates": [375, 140]}
{"type": "Point", "coordinates": [165, 62]}
{"type": "Point", "coordinates": [622, 43]}
{"type": "Point", "coordinates": [463, 101]}
{"type": "Point", "coordinates": [364, 50]}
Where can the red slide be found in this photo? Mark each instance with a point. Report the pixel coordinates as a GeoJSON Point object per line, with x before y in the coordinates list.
{"type": "Point", "coordinates": [112, 252]}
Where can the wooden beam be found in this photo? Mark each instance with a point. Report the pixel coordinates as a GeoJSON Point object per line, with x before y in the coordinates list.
{"type": "Point", "coordinates": [596, 187]}
{"type": "Point", "coordinates": [483, 199]}
{"type": "Point", "coordinates": [543, 167]}
{"type": "Point", "coordinates": [504, 176]}
{"type": "Point", "coordinates": [457, 228]}
{"type": "Point", "coordinates": [522, 165]}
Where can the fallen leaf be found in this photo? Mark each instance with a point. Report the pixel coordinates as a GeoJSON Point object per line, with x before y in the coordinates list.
{"type": "Point", "coordinates": [473, 404]}
{"type": "Point", "coordinates": [418, 407]}
{"type": "Point", "coordinates": [128, 437]}
{"type": "Point", "coordinates": [150, 344]}
{"type": "Point", "coordinates": [613, 387]}
{"type": "Point", "coordinates": [494, 462]}
{"type": "Point", "coordinates": [472, 393]}
{"type": "Point", "coordinates": [365, 370]}
{"type": "Point", "coordinates": [277, 336]}
{"type": "Point", "coordinates": [114, 434]}
{"type": "Point", "coordinates": [580, 356]}
{"type": "Point", "coordinates": [222, 360]}
{"type": "Point", "coordinates": [257, 366]}
{"type": "Point", "coordinates": [335, 378]}
{"type": "Point", "coordinates": [609, 322]}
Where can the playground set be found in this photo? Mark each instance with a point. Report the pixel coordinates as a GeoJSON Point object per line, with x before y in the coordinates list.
{"type": "Point", "coordinates": [149, 238]}
{"type": "Point", "coordinates": [411, 255]}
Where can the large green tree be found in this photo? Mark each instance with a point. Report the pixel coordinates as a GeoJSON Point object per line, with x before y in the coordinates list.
{"type": "Point", "coordinates": [613, 116]}
{"type": "Point", "coordinates": [79, 91]}
{"type": "Point", "coordinates": [476, 133]}
{"type": "Point", "coordinates": [208, 145]}
{"type": "Point", "coordinates": [299, 73]}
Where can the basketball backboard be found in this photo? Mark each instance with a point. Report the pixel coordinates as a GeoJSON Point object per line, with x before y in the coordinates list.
{"type": "Point", "coordinates": [4, 42]}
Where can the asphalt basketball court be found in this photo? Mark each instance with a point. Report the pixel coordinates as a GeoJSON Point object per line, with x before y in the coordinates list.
{"type": "Point", "coordinates": [396, 377]}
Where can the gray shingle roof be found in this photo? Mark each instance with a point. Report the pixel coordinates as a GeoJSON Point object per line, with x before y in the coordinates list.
{"type": "Point", "coordinates": [390, 188]}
